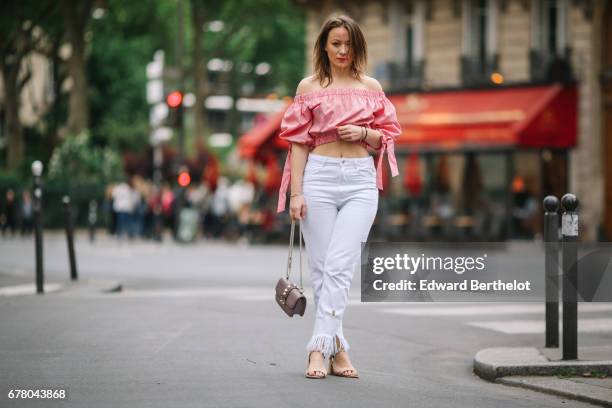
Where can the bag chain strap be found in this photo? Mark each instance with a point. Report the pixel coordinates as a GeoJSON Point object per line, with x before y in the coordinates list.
{"type": "Point", "coordinates": [290, 257]}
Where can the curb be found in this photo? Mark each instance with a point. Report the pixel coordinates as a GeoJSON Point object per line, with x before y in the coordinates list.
{"type": "Point", "coordinates": [87, 286]}
{"type": "Point", "coordinates": [493, 363]}
{"type": "Point", "coordinates": [563, 388]}
{"type": "Point", "coordinates": [83, 286]}
{"type": "Point", "coordinates": [528, 368]}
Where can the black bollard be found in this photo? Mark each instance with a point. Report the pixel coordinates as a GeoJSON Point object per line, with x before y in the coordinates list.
{"type": "Point", "coordinates": [37, 169]}
{"type": "Point", "coordinates": [92, 218]}
{"type": "Point", "coordinates": [569, 229]}
{"type": "Point", "coordinates": [551, 262]}
{"type": "Point", "coordinates": [70, 237]}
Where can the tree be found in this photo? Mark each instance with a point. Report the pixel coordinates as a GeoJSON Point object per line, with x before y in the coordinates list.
{"type": "Point", "coordinates": [76, 15]}
{"type": "Point", "coordinates": [21, 32]}
{"type": "Point", "coordinates": [198, 18]}
{"type": "Point", "coordinates": [76, 159]}
{"type": "Point", "coordinates": [123, 42]}
{"type": "Point", "coordinates": [251, 34]}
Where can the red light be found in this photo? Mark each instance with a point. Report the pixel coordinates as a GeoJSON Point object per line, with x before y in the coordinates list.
{"type": "Point", "coordinates": [174, 99]}
{"type": "Point", "coordinates": [184, 179]}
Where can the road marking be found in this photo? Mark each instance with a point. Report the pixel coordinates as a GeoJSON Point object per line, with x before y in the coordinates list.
{"type": "Point", "coordinates": [537, 326]}
{"type": "Point", "coordinates": [237, 292]}
{"type": "Point", "coordinates": [27, 289]}
{"type": "Point", "coordinates": [173, 337]}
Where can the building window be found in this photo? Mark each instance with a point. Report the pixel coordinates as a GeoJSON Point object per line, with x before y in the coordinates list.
{"type": "Point", "coordinates": [550, 15]}
{"type": "Point", "coordinates": [550, 54]}
{"type": "Point", "coordinates": [550, 26]}
{"type": "Point", "coordinates": [409, 44]}
{"type": "Point", "coordinates": [479, 49]}
{"type": "Point", "coordinates": [405, 69]}
{"type": "Point", "coordinates": [478, 35]}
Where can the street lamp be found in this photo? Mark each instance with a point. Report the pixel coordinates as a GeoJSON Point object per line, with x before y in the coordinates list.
{"type": "Point", "coordinates": [37, 170]}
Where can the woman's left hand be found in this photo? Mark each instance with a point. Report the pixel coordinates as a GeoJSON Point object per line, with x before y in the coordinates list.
{"type": "Point", "coordinates": [350, 133]}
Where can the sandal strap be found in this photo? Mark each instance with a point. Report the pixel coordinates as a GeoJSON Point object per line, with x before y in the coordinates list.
{"type": "Point", "coordinates": [323, 372]}
{"type": "Point", "coordinates": [340, 373]}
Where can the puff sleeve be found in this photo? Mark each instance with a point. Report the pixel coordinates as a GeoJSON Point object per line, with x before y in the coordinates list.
{"type": "Point", "coordinates": [294, 128]}
{"type": "Point", "coordinates": [385, 121]}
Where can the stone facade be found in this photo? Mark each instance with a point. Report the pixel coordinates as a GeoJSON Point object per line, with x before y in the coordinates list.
{"type": "Point", "coordinates": [442, 45]}
{"type": "Point", "coordinates": [586, 171]}
{"type": "Point", "coordinates": [515, 42]}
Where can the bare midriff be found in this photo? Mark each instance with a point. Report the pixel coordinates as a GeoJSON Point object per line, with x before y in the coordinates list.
{"type": "Point", "coordinates": [341, 148]}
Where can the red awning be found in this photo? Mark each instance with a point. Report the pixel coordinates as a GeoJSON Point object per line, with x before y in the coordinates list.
{"type": "Point", "coordinates": [539, 116]}
{"type": "Point", "coordinates": [251, 142]}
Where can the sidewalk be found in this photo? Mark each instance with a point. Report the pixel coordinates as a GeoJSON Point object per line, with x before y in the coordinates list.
{"type": "Point", "coordinates": [588, 379]}
{"type": "Point", "coordinates": [15, 285]}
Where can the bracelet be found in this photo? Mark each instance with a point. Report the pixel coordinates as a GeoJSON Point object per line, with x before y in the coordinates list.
{"type": "Point", "coordinates": [295, 194]}
{"type": "Point", "coordinates": [365, 136]}
{"type": "Point", "coordinates": [380, 139]}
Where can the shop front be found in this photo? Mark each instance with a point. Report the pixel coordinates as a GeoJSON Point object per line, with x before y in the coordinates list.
{"type": "Point", "coordinates": [483, 159]}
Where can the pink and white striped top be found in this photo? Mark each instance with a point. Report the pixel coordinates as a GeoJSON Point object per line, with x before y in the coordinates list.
{"type": "Point", "coordinates": [313, 116]}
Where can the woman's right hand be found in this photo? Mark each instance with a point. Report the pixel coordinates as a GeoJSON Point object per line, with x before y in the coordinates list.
{"type": "Point", "coordinates": [297, 207]}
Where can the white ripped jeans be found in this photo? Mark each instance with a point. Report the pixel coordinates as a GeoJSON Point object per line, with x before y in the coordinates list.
{"type": "Point", "coordinates": [341, 203]}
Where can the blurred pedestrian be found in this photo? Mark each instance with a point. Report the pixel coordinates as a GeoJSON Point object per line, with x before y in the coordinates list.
{"type": "Point", "coordinates": [27, 213]}
{"type": "Point", "coordinates": [140, 206]}
{"type": "Point", "coordinates": [109, 209]}
{"type": "Point", "coordinates": [197, 198]}
{"type": "Point", "coordinates": [9, 213]}
{"type": "Point", "coordinates": [524, 210]}
{"type": "Point", "coordinates": [240, 199]}
{"type": "Point", "coordinates": [219, 208]}
{"type": "Point", "coordinates": [167, 204]}
{"type": "Point", "coordinates": [334, 183]}
{"type": "Point", "coordinates": [124, 204]}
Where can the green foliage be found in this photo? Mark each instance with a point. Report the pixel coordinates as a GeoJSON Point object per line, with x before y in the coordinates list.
{"type": "Point", "coordinates": [123, 42]}
{"type": "Point", "coordinates": [77, 160]}
{"type": "Point", "coordinates": [10, 179]}
{"type": "Point", "coordinates": [566, 372]}
{"type": "Point", "coordinates": [271, 31]}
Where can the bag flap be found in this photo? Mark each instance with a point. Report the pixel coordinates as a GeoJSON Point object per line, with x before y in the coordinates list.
{"type": "Point", "coordinates": [293, 297]}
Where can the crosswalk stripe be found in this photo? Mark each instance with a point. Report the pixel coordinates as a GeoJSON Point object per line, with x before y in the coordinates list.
{"type": "Point", "coordinates": [27, 289]}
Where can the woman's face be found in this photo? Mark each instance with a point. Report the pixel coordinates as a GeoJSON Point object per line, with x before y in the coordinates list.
{"type": "Point", "coordinates": [338, 47]}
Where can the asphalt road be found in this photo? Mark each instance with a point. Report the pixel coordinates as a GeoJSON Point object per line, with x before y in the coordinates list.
{"type": "Point", "coordinates": [196, 326]}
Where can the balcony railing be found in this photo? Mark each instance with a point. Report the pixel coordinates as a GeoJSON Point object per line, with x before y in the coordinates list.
{"type": "Point", "coordinates": [547, 67]}
{"type": "Point", "coordinates": [477, 71]}
{"type": "Point", "coordinates": [405, 75]}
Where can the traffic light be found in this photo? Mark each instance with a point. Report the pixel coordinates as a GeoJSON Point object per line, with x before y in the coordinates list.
{"type": "Point", "coordinates": [184, 179]}
{"type": "Point", "coordinates": [174, 100]}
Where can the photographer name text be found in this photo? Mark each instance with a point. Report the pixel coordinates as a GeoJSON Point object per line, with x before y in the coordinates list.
{"type": "Point", "coordinates": [473, 285]}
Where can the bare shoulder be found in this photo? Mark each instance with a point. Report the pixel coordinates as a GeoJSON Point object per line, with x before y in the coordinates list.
{"type": "Point", "coordinates": [372, 83]}
{"type": "Point", "coordinates": [306, 85]}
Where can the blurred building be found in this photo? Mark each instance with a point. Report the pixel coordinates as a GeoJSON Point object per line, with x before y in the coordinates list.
{"type": "Point", "coordinates": [540, 68]}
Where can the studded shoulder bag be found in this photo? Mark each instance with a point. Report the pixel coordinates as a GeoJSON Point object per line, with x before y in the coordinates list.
{"type": "Point", "coordinates": [289, 296]}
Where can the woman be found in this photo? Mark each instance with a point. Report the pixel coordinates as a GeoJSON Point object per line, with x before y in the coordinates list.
{"type": "Point", "coordinates": [336, 115]}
